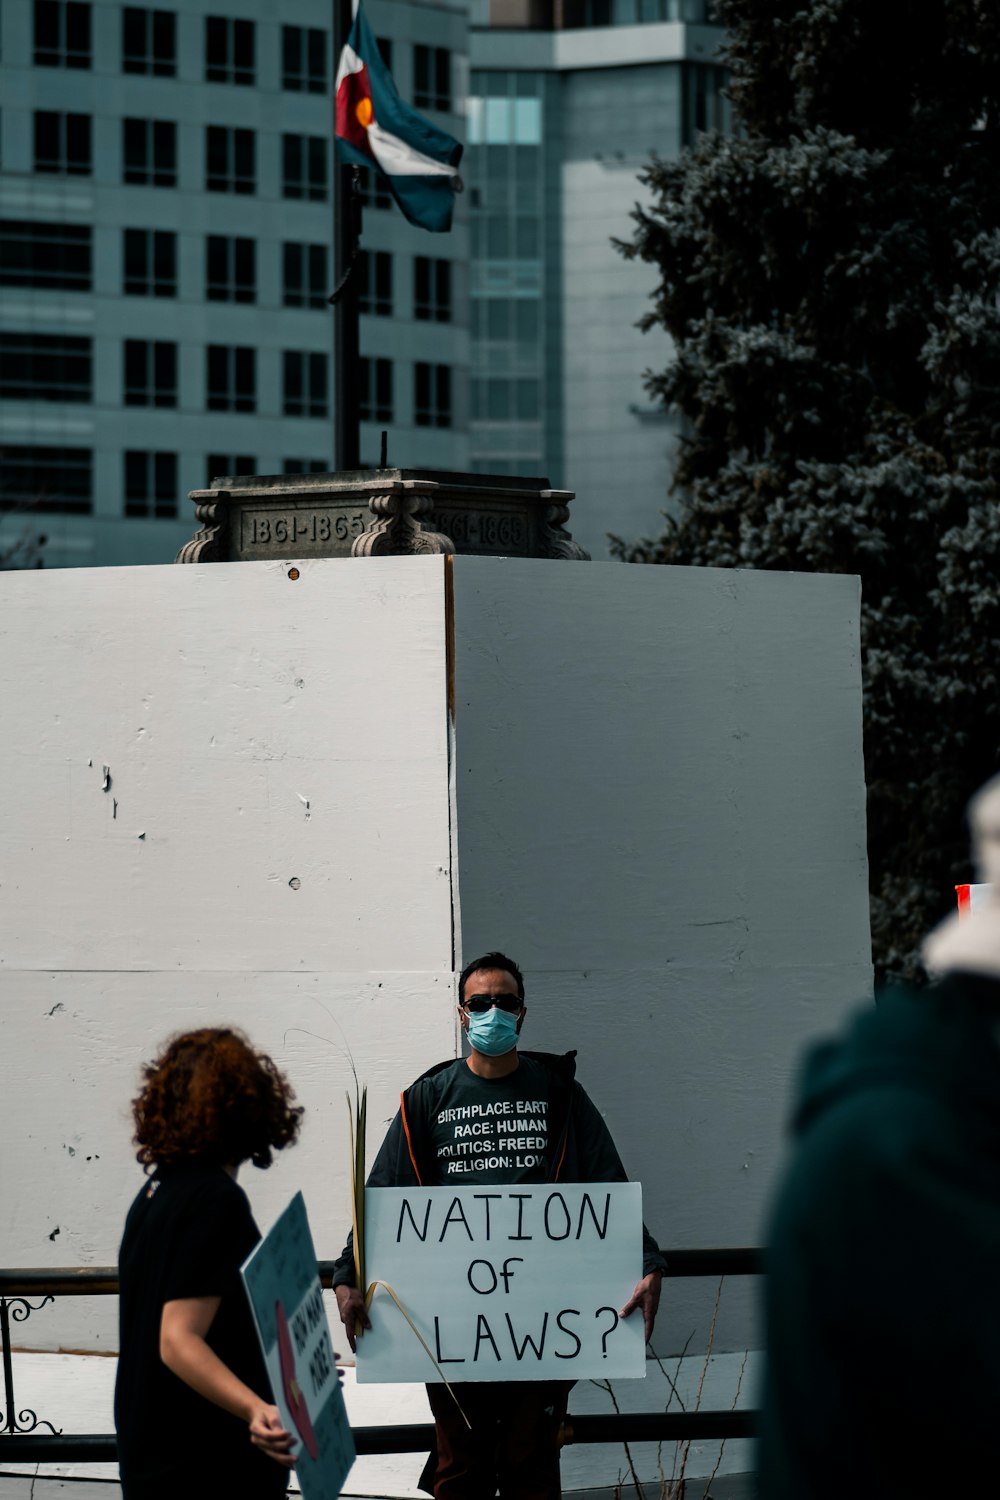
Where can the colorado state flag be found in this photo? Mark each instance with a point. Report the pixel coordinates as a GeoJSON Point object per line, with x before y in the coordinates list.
{"type": "Point", "coordinates": [376, 128]}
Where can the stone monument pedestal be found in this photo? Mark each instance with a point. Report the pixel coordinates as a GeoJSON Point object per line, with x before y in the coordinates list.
{"type": "Point", "coordinates": [379, 513]}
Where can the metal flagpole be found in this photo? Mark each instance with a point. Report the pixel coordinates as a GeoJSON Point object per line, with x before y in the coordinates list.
{"type": "Point", "coordinates": [346, 240]}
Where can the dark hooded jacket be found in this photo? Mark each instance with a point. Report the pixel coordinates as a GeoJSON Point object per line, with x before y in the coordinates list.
{"type": "Point", "coordinates": [883, 1285]}
{"type": "Point", "coordinates": [583, 1149]}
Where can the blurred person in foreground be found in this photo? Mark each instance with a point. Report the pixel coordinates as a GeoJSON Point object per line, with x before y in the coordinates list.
{"type": "Point", "coordinates": [194, 1410]}
{"type": "Point", "coordinates": [883, 1285]}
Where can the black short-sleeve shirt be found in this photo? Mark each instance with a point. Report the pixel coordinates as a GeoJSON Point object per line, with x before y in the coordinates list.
{"type": "Point", "coordinates": [186, 1235]}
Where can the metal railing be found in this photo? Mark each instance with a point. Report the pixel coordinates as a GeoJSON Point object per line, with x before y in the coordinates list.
{"type": "Point", "coordinates": [22, 1442]}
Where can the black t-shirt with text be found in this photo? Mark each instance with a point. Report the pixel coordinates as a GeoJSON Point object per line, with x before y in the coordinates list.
{"type": "Point", "coordinates": [187, 1234]}
{"type": "Point", "coordinates": [492, 1130]}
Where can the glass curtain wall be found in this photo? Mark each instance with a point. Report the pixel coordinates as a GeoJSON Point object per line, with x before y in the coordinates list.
{"type": "Point", "coordinates": [507, 177]}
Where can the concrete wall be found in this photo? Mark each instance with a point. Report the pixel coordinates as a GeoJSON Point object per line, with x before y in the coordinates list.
{"type": "Point", "coordinates": [651, 794]}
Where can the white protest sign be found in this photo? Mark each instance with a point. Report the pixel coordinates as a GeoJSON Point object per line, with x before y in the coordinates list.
{"type": "Point", "coordinates": [520, 1283]}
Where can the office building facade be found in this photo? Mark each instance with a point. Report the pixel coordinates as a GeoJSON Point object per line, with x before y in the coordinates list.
{"type": "Point", "coordinates": [165, 262]}
{"type": "Point", "coordinates": [569, 101]}
{"type": "Point", "coordinates": [166, 232]}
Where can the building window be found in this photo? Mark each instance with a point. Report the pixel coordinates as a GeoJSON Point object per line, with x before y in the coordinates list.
{"type": "Point", "coordinates": [230, 269]}
{"type": "Point", "coordinates": [150, 483]}
{"type": "Point", "coordinates": [303, 59]}
{"type": "Point", "coordinates": [304, 167]}
{"type": "Point", "coordinates": [432, 289]}
{"type": "Point", "coordinates": [305, 466]}
{"type": "Point", "coordinates": [431, 77]}
{"type": "Point", "coordinates": [229, 50]}
{"type": "Point", "coordinates": [225, 465]}
{"type": "Point", "coordinates": [231, 378]}
{"type": "Point", "coordinates": [230, 160]}
{"type": "Point", "coordinates": [62, 34]}
{"type": "Point", "coordinates": [150, 257]}
{"type": "Point", "coordinates": [305, 276]}
{"type": "Point", "coordinates": [376, 390]}
{"type": "Point", "coordinates": [56, 257]}
{"type": "Point", "coordinates": [502, 319]}
{"type": "Point", "coordinates": [305, 384]}
{"type": "Point", "coordinates": [45, 367]}
{"type": "Point", "coordinates": [432, 396]}
{"type": "Point", "coordinates": [373, 190]}
{"type": "Point", "coordinates": [150, 373]}
{"type": "Point", "coordinates": [583, 13]}
{"type": "Point", "coordinates": [374, 272]}
{"type": "Point", "coordinates": [47, 479]}
{"type": "Point", "coordinates": [149, 42]}
{"type": "Point", "coordinates": [62, 143]}
{"type": "Point", "coordinates": [149, 152]}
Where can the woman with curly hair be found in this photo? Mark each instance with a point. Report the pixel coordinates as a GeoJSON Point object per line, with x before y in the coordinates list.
{"type": "Point", "coordinates": [191, 1378]}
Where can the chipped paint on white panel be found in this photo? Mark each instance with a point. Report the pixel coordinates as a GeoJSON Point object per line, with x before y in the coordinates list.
{"type": "Point", "coordinates": [68, 1185]}
{"type": "Point", "coordinates": [225, 799]}
{"type": "Point", "coordinates": [188, 742]}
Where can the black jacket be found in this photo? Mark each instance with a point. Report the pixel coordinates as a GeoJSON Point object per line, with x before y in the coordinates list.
{"type": "Point", "coordinates": [883, 1286]}
{"type": "Point", "coordinates": [583, 1152]}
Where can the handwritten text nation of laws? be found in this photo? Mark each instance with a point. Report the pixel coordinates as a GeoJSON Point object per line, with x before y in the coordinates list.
{"type": "Point", "coordinates": [504, 1216]}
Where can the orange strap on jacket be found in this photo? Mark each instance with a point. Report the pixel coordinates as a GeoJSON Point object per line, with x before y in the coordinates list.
{"type": "Point", "coordinates": [409, 1139]}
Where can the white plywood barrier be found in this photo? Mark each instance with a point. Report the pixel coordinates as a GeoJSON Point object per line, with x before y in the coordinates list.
{"type": "Point", "coordinates": [661, 815]}
{"type": "Point", "coordinates": [660, 765]}
{"type": "Point", "coordinates": [269, 846]}
{"type": "Point", "coordinates": [76, 1041]}
{"type": "Point", "coordinates": [257, 732]}
{"type": "Point", "coordinates": [654, 785]}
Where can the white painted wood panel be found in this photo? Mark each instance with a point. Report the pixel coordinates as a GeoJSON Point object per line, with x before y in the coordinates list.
{"type": "Point", "coordinates": [257, 731]}
{"type": "Point", "coordinates": [661, 816]}
{"type": "Point", "coordinates": [660, 765]}
{"type": "Point", "coordinates": [659, 795]}
{"type": "Point", "coordinates": [73, 1043]}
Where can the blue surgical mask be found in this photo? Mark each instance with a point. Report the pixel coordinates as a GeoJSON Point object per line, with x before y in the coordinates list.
{"type": "Point", "coordinates": [493, 1032]}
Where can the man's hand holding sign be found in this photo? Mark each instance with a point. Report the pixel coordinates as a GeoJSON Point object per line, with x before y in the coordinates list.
{"type": "Point", "coordinates": [647, 1296]}
{"type": "Point", "coordinates": [514, 1242]}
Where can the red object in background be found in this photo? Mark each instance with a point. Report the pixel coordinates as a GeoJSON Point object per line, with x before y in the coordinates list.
{"type": "Point", "coordinates": [964, 894]}
{"type": "Point", "coordinates": [289, 1380]}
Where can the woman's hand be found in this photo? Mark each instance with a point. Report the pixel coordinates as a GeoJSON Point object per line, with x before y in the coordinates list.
{"type": "Point", "coordinates": [268, 1434]}
{"type": "Point", "coordinates": [184, 1327]}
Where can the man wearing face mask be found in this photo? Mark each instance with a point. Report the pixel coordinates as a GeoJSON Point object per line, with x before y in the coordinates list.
{"type": "Point", "coordinates": [498, 1116]}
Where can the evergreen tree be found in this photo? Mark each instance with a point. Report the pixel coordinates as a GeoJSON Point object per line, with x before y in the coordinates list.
{"type": "Point", "coordinates": [831, 281]}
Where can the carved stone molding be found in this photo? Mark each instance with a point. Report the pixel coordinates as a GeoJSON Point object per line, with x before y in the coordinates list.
{"type": "Point", "coordinates": [396, 528]}
{"type": "Point", "coordinates": [559, 543]}
{"type": "Point", "coordinates": [208, 544]}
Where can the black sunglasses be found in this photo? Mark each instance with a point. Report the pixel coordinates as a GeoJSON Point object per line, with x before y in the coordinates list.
{"type": "Point", "coordinates": [477, 1005]}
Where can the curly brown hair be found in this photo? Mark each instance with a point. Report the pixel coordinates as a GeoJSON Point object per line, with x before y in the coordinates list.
{"type": "Point", "coordinates": [209, 1097]}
